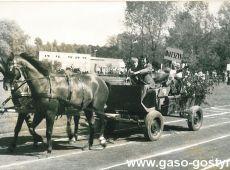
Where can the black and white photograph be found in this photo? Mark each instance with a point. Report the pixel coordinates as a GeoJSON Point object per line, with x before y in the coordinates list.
{"type": "Point", "coordinates": [114, 85]}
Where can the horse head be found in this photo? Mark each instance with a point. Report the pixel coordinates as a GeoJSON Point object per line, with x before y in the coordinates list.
{"type": "Point", "coordinates": [10, 73]}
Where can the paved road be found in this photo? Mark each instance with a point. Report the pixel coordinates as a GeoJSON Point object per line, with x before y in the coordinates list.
{"type": "Point", "coordinates": [177, 145]}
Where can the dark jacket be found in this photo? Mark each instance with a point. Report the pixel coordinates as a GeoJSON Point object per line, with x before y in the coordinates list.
{"type": "Point", "coordinates": [145, 75]}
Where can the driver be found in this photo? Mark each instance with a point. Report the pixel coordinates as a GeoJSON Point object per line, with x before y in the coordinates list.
{"type": "Point", "coordinates": [144, 72]}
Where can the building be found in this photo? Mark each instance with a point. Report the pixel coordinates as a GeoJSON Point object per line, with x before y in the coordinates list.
{"type": "Point", "coordinates": [84, 62]}
{"type": "Point", "coordinates": [71, 60]}
{"type": "Point", "coordinates": [106, 65]}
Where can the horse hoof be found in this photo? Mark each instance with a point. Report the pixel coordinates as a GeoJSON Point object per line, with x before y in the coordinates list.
{"type": "Point", "coordinates": [72, 141]}
{"type": "Point", "coordinates": [76, 138]}
{"type": "Point", "coordinates": [39, 139]}
{"type": "Point", "coordinates": [103, 141]}
{"type": "Point", "coordinates": [104, 145]}
{"type": "Point", "coordinates": [48, 154]}
{"type": "Point", "coordinates": [84, 148]}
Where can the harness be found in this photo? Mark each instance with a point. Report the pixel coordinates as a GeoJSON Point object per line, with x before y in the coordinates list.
{"type": "Point", "coordinates": [69, 82]}
{"type": "Point", "coordinates": [50, 92]}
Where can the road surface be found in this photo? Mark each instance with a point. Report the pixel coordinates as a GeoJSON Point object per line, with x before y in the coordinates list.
{"type": "Point", "coordinates": [178, 148]}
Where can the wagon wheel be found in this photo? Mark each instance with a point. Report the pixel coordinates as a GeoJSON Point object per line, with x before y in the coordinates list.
{"type": "Point", "coordinates": [195, 118]}
{"type": "Point", "coordinates": [154, 125]}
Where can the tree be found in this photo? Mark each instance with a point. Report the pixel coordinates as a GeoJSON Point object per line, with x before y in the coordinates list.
{"type": "Point", "coordinates": [48, 46]}
{"type": "Point", "coordinates": [4, 48]}
{"type": "Point", "coordinates": [55, 46]}
{"type": "Point", "coordinates": [39, 44]}
{"type": "Point", "coordinates": [194, 32]}
{"type": "Point", "coordinates": [223, 35]}
{"type": "Point", "coordinates": [148, 20]}
{"type": "Point", "coordinates": [12, 37]}
{"type": "Point", "coordinates": [112, 41]}
{"type": "Point", "coordinates": [56, 66]}
{"type": "Point", "coordinates": [127, 46]}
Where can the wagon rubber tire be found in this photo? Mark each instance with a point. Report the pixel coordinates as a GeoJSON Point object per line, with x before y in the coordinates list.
{"type": "Point", "coordinates": [154, 125]}
{"type": "Point", "coordinates": [195, 118]}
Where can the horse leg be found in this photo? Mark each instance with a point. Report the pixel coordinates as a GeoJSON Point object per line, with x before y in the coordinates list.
{"type": "Point", "coordinates": [30, 127]}
{"type": "Point", "coordinates": [17, 129]}
{"type": "Point", "coordinates": [50, 116]}
{"type": "Point", "coordinates": [76, 123]}
{"type": "Point", "coordinates": [38, 117]}
{"type": "Point", "coordinates": [90, 119]}
{"type": "Point", "coordinates": [103, 123]}
{"type": "Point", "coordinates": [69, 129]}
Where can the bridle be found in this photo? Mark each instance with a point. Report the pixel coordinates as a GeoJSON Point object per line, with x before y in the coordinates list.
{"type": "Point", "coordinates": [11, 77]}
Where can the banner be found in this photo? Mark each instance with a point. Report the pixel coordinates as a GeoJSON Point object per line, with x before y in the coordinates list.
{"type": "Point", "coordinates": [173, 54]}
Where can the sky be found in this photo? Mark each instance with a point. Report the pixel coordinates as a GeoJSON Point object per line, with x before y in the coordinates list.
{"type": "Point", "coordinates": [91, 22]}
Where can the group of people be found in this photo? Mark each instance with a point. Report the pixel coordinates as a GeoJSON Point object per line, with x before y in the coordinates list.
{"type": "Point", "coordinates": [141, 73]}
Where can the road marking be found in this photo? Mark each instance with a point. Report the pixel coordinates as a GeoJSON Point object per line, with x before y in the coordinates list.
{"type": "Point", "coordinates": [208, 111]}
{"type": "Point", "coordinates": [54, 157]}
{"type": "Point", "coordinates": [222, 163]}
{"type": "Point", "coordinates": [215, 107]}
{"type": "Point", "coordinates": [220, 109]}
{"type": "Point", "coordinates": [220, 106]}
{"type": "Point", "coordinates": [218, 114]}
{"type": "Point", "coordinates": [203, 127]}
{"type": "Point", "coordinates": [112, 146]}
{"type": "Point", "coordinates": [209, 115]}
{"type": "Point", "coordinates": [170, 151]}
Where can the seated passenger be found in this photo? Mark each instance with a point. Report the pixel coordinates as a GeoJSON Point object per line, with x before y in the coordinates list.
{"type": "Point", "coordinates": [133, 77]}
{"type": "Point", "coordinates": [175, 77]}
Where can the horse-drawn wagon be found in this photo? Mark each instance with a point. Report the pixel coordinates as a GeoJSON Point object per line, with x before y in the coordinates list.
{"type": "Point", "coordinates": [125, 105]}
{"type": "Point", "coordinates": [90, 93]}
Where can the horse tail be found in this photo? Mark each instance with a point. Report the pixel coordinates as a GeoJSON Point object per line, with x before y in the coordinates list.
{"type": "Point", "coordinates": [108, 85]}
{"type": "Point", "coordinates": [109, 88]}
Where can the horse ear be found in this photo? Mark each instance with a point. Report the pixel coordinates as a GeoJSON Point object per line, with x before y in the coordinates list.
{"type": "Point", "coordinates": [11, 57]}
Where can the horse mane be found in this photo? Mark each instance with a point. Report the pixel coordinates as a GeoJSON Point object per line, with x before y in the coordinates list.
{"type": "Point", "coordinates": [37, 64]}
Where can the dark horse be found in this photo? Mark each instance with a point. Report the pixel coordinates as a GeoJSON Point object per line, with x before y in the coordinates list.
{"type": "Point", "coordinates": [53, 93]}
{"type": "Point", "coordinates": [21, 97]}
